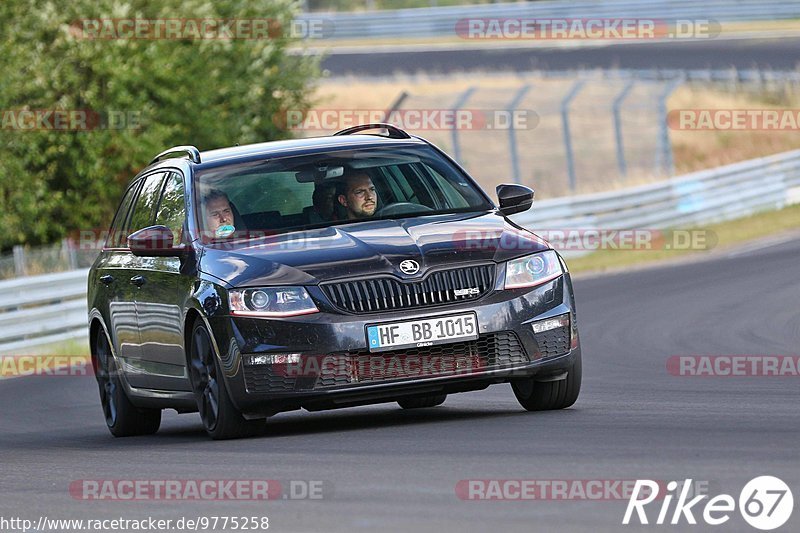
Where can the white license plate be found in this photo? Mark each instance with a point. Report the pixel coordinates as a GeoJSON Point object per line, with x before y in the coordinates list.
{"type": "Point", "coordinates": [425, 332]}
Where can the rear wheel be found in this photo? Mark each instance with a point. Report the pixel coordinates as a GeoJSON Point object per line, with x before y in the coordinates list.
{"type": "Point", "coordinates": [122, 417]}
{"type": "Point", "coordinates": [425, 401]}
{"type": "Point", "coordinates": [220, 417]}
{"type": "Point", "coordinates": [548, 395]}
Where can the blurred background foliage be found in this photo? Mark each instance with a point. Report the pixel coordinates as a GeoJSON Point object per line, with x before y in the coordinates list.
{"type": "Point", "coordinates": [209, 93]}
{"type": "Point", "coordinates": [372, 5]}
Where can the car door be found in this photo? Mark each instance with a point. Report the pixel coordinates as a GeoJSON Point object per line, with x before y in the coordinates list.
{"type": "Point", "coordinates": [161, 298]}
{"type": "Point", "coordinates": [132, 279]}
{"type": "Point", "coordinates": [111, 281]}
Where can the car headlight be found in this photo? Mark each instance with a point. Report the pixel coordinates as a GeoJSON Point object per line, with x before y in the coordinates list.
{"type": "Point", "coordinates": [271, 302]}
{"type": "Point", "coordinates": [533, 270]}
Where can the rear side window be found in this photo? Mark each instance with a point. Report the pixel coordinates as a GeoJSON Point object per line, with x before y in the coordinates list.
{"type": "Point", "coordinates": [144, 210]}
{"type": "Point", "coordinates": [172, 209]}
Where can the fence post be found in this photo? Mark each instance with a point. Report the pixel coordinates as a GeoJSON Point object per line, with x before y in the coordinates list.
{"type": "Point", "coordinates": [621, 162]}
{"type": "Point", "coordinates": [573, 92]}
{"type": "Point", "coordinates": [396, 105]}
{"type": "Point", "coordinates": [68, 250]}
{"type": "Point", "coordinates": [462, 99]}
{"type": "Point", "coordinates": [664, 161]}
{"type": "Point", "coordinates": [512, 135]}
{"type": "Point", "coordinates": [19, 260]}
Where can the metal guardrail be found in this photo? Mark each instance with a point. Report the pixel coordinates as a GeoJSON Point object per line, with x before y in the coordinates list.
{"type": "Point", "coordinates": [441, 21]}
{"type": "Point", "coordinates": [48, 309]}
{"type": "Point", "coordinates": [41, 310]}
{"type": "Point", "coordinates": [703, 197]}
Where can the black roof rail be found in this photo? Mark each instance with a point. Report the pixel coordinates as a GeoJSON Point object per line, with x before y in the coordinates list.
{"type": "Point", "coordinates": [394, 131]}
{"type": "Point", "coordinates": [191, 151]}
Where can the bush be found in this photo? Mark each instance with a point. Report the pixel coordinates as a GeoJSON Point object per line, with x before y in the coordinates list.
{"type": "Point", "coordinates": [208, 93]}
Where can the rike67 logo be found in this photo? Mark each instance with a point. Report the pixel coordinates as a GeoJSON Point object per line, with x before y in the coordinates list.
{"type": "Point", "coordinates": [766, 503]}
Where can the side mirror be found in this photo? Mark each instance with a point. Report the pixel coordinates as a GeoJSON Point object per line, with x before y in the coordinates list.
{"type": "Point", "coordinates": [514, 198]}
{"type": "Point", "coordinates": [154, 241]}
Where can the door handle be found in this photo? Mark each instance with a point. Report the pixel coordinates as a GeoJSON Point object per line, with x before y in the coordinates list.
{"type": "Point", "coordinates": [138, 280]}
{"type": "Point", "coordinates": [107, 279]}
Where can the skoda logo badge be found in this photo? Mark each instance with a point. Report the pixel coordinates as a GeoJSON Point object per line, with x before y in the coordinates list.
{"type": "Point", "coordinates": [409, 266]}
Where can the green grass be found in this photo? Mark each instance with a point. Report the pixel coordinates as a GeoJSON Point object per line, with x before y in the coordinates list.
{"type": "Point", "coordinates": [724, 235]}
{"type": "Point", "coordinates": [70, 347]}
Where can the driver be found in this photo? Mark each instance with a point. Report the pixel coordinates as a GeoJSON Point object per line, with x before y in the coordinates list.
{"type": "Point", "coordinates": [356, 193]}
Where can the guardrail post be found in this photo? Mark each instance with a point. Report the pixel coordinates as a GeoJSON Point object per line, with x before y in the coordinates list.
{"type": "Point", "coordinates": [573, 92]}
{"type": "Point", "coordinates": [664, 161]}
{"type": "Point", "coordinates": [621, 162]}
{"type": "Point", "coordinates": [462, 99]}
{"type": "Point", "coordinates": [19, 260]}
{"type": "Point", "coordinates": [512, 134]}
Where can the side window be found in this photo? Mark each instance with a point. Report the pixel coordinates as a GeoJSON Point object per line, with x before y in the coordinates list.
{"type": "Point", "coordinates": [144, 210]}
{"type": "Point", "coordinates": [391, 176]}
{"type": "Point", "coordinates": [171, 208]}
{"type": "Point", "coordinates": [454, 198]}
{"type": "Point", "coordinates": [418, 185]}
{"type": "Point", "coordinates": [276, 191]}
{"type": "Point", "coordinates": [117, 235]}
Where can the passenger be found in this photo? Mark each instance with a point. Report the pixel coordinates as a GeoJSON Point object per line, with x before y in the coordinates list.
{"type": "Point", "coordinates": [218, 213]}
{"type": "Point", "coordinates": [323, 200]}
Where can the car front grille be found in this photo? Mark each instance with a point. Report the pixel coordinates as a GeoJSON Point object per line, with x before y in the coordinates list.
{"type": "Point", "coordinates": [388, 293]}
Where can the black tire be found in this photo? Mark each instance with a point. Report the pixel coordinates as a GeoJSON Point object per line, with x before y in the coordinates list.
{"type": "Point", "coordinates": [220, 417]}
{"type": "Point", "coordinates": [122, 417]}
{"type": "Point", "coordinates": [548, 395]}
{"type": "Point", "coordinates": [425, 401]}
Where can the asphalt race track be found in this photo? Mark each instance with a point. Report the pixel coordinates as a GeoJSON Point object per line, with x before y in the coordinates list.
{"type": "Point", "coordinates": [388, 469]}
{"type": "Point", "coordinates": [778, 54]}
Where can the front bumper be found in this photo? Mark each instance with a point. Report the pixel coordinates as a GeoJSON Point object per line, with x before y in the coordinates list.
{"type": "Point", "coordinates": [332, 352]}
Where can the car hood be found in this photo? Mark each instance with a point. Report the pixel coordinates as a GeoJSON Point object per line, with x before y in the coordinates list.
{"type": "Point", "coordinates": [369, 248]}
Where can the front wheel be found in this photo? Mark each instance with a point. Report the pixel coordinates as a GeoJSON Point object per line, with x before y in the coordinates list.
{"type": "Point", "coordinates": [548, 395]}
{"type": "Point", "coordinates": [122, 417]}
{"type": "Point", "coordinates": [220, 417]}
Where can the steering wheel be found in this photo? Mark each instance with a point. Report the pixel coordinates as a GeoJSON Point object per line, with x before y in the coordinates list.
{"type": "Point", "coordinates": [397, 208]}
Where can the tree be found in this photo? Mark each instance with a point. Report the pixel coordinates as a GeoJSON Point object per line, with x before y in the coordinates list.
{"type": "Point", "coordinates": [140, 96]}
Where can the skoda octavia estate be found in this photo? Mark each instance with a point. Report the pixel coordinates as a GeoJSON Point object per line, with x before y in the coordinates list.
{"type": "Point", "coordinates": [322, 273]}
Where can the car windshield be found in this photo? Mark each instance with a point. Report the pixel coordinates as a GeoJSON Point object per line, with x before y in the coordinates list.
{"type": "Point", "coordinates": [331, 188]}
